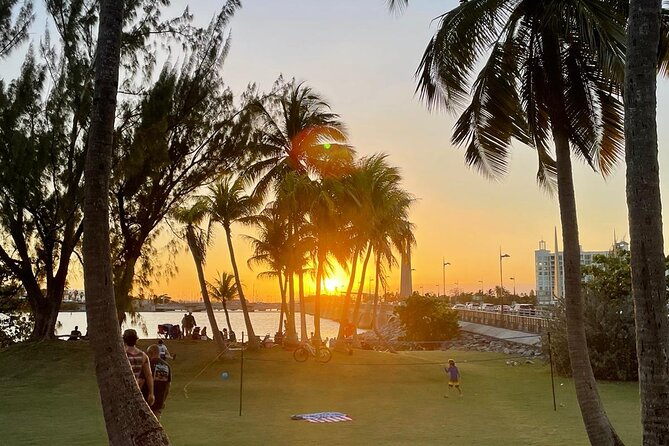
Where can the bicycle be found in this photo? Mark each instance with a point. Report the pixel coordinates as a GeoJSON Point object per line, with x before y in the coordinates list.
{"type": "Point", "coordinates": [302, 353]}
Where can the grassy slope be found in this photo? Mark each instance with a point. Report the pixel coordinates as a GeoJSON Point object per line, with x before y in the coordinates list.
{"type": "Point", "coordinates": [48, 396]}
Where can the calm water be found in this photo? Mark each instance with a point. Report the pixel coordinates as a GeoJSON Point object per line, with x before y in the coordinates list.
{"type": "Point", "coordinates": [264, 322]}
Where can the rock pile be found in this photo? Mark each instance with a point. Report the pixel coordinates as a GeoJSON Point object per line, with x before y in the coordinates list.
{"type": "Point", "coordinates": [465, 341]}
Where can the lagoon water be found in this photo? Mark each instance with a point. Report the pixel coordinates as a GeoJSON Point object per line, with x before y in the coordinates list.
{"type": "Point", "coordinates": [264, 322]}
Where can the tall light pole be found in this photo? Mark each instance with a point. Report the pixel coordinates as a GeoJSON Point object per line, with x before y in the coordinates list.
{"type": "Point", "coordinates": [481, 289]}
{"type": "Point", "coordinates": [501, 280]}
{"type": "Point", "coordinates": [443, 273]}
{"type": "Point", "coordinates": [514, 284]}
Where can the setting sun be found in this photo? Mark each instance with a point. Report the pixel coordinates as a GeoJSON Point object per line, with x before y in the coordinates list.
{"type": "Point", "coordinates": [332, 285]}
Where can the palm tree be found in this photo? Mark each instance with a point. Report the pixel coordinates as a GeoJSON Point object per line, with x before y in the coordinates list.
{"type": "Point", "coordinates": [372, 189]}
{"type": "Point", "coordinates": [552, 71]}
{"type": "Point", "coordinates": [198, 239]}
{"type": "Point", "coordinates": [127, 417]}
{"type": "Point", "coordinates": [225, 290]}
{"type": "Point", "coordinates": [228, 203]}
{"type": "Point", "coordinates": [270, 248]}
{"type": "Point", "coordinates": [326, 228]}
{"type": "Point", "coordinates": [645, 35]}
{"type": "Point", "coordinates": [300, 136]}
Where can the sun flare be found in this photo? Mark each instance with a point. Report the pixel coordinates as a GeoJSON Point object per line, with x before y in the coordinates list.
{"type": "Point", "coordinates": [332, 285]}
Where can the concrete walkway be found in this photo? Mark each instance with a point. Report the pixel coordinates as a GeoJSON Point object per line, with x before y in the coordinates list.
{"type": "Point", "coordinates": [502, 333]}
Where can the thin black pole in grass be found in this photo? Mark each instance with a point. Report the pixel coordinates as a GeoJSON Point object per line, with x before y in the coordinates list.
{"type": "Point", "coordinates": [241, 377]}
{"type": "Point", "coordinates": [550, 358]}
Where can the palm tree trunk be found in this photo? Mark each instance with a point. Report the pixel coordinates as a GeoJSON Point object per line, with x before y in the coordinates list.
{"type": "Point", "coordinates": [645, 219]}
{"type": "Point", "coordinates": [253, 341]}
{"type": "Point", "coordinates": [375, 305]}
{"type": "Point", "coordinates": [303, 313]}
{"type": "Point", "coordinates": [291, 332]}
{"type": "Point", "coordinates": [343, 319]}
{"type": "Point", "coordinates": [317, 301]}
{"type": "Point", "coordinates": [128, 419]}
{"type": "Point", "coordinates": [227, 316]}
{"type": "Point", "coordinates": [282, 290]}
{"type": "Point", "coordinates": [597, 424]}
{"type": "Point", "coordinates": [198, 259]}
{"type": "Point", "coordinates": [375, 309]}
{"type": "Point", "coordinates": [356, 309]}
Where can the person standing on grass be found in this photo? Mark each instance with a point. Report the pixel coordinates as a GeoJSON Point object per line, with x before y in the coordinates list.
{"type": "Point", "coordinates": [453, 376]}
{"type": "Point", "coordinates": [140, 365]}
{"type": "Point", "coordinates": [164, 352]}
{"type": "Point", "coordinates": [162, 377]}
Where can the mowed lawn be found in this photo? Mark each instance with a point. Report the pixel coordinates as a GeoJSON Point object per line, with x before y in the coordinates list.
{"type": "Point", "coordinates": [48, 396]}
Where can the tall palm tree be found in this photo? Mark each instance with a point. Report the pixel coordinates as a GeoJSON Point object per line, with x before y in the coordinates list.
{"type": "Point", "coordinates": [552, 73]}
{"type": "Point", "coordinates": [128, 419]}
{"type": "Point", "coordinates": [191, 217]}
{"type": "Point", "coordinates": [270, 248]}
{"type": "Point", "coordinates": [373, 188]}
{"type": "Point", "coordinates": [228, 203]}
{"type": "Point", "coordinates": [224, 289]}
{"type": "Point", "coordinates": [645, 214]}
{"type": "Point", "coordinates": [293, 199]}
{"type": "Point", "coordinates": [326, 227]}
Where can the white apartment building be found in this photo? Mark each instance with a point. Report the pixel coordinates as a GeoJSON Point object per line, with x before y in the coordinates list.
{"type": "Point", "coordinates": [546, 270]}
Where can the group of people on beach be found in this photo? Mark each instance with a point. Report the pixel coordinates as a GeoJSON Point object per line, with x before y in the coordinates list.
{"type": "Point", "coordinates": [152, 372]}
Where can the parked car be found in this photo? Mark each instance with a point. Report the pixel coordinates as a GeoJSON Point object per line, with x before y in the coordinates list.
{"type": "Point", "coordinates": [459, 307]}
{"type": "Point", "coordinates": [472, 306]}
{"type": "Point", "coordinates": [524, 309]}
{"type": "Point", "coordinates": [507, 309]}
{"type": "Point", "coordinates": [488, 307]}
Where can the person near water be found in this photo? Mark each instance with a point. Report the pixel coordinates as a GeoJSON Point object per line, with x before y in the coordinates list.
{"type": "Point", "coordinates": [453, 376]}
{"type": "Point", "coordinates": [75, 334]}
{"type": "Point", "coordinates": [140, 364]}
{"type": "Point", "coordinates": [162, 377]}
{"type": "Point", "coordinates": [186, 327]}
{"type": "Point", "coordinates": [191, 318]}
{"type": "Point", "coordinates": [349, 331]}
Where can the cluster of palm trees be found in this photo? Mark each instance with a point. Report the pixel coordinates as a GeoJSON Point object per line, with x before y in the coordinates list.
{"type": "Point", "coordinates": [312, 204]}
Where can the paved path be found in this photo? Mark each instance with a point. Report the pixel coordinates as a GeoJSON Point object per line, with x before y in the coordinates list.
{"type": "Point", "coordinates": [501, 333]}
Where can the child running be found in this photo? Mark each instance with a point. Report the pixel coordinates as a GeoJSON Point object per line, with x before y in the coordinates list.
{"type": "Point", "coordinates": [453, 376]}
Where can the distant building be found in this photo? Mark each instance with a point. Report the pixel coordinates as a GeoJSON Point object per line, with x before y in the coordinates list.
{"type": "Point", "coordinates": [406, 285]}
{"type": "Point", "coordinates": [547, 269]}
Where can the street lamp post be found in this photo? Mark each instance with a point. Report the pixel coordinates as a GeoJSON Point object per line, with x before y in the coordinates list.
{"type": "Point", "coordinates": [443, 273]}
{"type": "Point", "coordinates": [501, 280]}
{"type": "Point", "coordinates": [481, 289]}
{"type": "Point", "coordinates": [514, 284]}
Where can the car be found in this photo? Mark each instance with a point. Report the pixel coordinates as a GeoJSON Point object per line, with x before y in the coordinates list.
{"type": "Point", "coordinates": [459, 307]}
{"type": "Point", "coordinates": [472, 306]}
{"type": "Point", "coordinates": [523, 309]}
{"type": "Point", "coordinates": [488, 307]}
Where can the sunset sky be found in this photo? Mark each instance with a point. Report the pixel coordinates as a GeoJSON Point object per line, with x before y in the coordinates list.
{"type": "Point", "coordinates": [362, 58]}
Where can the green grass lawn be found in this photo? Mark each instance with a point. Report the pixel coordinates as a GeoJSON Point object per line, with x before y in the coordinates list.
{"type": "Point", "coordinates": [48, 396]}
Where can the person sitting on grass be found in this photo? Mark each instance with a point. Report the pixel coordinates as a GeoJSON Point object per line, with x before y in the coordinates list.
{"type": "Point", "coordinates": [75, 334]}
{"type": "Point", "coordinates": [453, 376]}
{"type": "Point", "coordinates": [140, 365]}
{"type": "Point", "coordinates": [162, 377]}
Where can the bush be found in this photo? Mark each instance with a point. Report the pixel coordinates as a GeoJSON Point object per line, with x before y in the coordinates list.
{"type": "Point", "coordinates": [609, 321]}
{"type": "Point", "coordinates": [427, 319]}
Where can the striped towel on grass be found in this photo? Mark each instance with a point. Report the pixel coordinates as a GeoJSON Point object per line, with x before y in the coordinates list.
{"type": "Point", "coordinates": [323, 417]}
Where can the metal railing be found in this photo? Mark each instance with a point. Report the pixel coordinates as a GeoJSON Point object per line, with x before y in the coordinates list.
{"type": "Point", "coordinates": [511, 321]}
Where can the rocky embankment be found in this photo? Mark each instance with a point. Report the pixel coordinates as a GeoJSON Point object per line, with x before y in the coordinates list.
{"type": "Point", "coordinates": [465, 341]}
